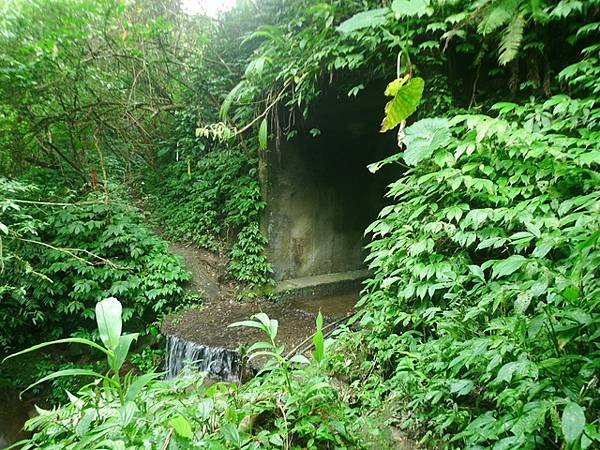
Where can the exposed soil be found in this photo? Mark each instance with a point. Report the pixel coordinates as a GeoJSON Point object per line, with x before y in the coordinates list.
{"type": "Point", "coordinates": [208, 323]}
{"type": "Point", "coordinates": [208, 270]}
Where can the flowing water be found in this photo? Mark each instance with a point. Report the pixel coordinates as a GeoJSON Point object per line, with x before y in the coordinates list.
{"type": "Point", "coordinates": [218, 362]}
{"type": "Point", "coordinates": [202, 336]}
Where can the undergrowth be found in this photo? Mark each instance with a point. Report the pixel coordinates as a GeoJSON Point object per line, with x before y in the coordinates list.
{"type": "Point", "coordinates": [292, 404]}
{"type": "Point", "coordinates": [480, 326]}
{"type": "Point", "coordinates": [483, 317]}
{"type": "Point", "coordinates": [61, 256]}
{"type": "Point", "coordinates": [215, 202]}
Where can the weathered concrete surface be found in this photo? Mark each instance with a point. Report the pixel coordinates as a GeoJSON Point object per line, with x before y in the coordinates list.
{"type": "Point", "coordinates": [321, 285]}
{"type": "Point", "coordinates": [319, 193]}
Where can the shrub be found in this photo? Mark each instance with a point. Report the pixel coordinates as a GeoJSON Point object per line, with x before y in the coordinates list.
{"type": "Point", "coordinates": [291, 405]}
{"type": "Point", "coordinates": [484, 312]}
{"type": "Point", "coordinates": [60, 259]}
{"type": "Point", "coordinates": [216, 204]}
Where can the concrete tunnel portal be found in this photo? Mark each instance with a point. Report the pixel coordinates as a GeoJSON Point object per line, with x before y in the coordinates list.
{"type": "Point", "coordinates": [320, 194]}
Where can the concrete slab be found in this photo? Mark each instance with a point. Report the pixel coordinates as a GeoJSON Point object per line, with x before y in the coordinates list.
{"type": "Point", "coordinates": [321, 285]}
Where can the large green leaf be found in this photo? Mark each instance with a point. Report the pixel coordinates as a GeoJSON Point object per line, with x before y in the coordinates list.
{"type": "Point", "coordinates": [511, 40]}
{"type": "Point", "coordinates": [248, 323]}
{"type": "Point", "coordinates": [182, 426]}
{"type": "Point", "coordinates": [508, 266]}
{"type": "Point", "coordinates": [69, 373]}
{"type": "Point", "coordinates": [127, 413]}
{"type": "Point", "coordinates": [366, 19]}
{"type": "Point", "coordinates": [138, 384]}
{"type": "Point", "coordinates": [59, 341]}
{"type": "Point", "coordinates": [319, 340]}
{"type": "Point", "coordinates": [231, 434]}
{"type": "Point", "coordinates": [108, 317]}
{"type": "Point", "coordinates": [497, 16]}
{"type": "Point", "coordinates": [424, 137]}
{"type": "Point", "coordinates": [507, 371]}
{"type": "Point", "coordinates": [120, 353]}
{"type": "Point", "coordinates": [230, 98]}
{"type": "Point", "coordinates": [406, 99]}
{"type": "Point", "coordinates": [573, 422]}
{"type": "Point", "coordinates": [409, 8]}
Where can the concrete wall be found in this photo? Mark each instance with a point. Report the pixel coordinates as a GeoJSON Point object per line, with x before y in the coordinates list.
{"type": "Point", "coordinates": [320, 195]}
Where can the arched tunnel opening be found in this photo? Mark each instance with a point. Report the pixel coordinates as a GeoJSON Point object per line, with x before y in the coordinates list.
{"type": "Point", "coordinates": [320, 194]}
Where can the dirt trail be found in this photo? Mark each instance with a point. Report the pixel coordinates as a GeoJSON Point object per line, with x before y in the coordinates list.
{"type": "Point", "coordinates": [208, 270]}
{"type": "Point", "coordinates": [208, 323]}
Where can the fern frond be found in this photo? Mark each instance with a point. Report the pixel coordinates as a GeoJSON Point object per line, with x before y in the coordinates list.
{"type": "Point", "coordinates": [499, 14]}
{"type": "Point", "coordinates": [511, 40]}
{"type": "Point", "coordinates": [565, 8]}
{"type": "Point", "coordinates": [588, 29]}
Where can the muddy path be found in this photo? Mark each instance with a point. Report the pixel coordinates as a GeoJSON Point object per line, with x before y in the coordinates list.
{"type": "Point", "coordinates": [209, 271]}
{"type": "Point", "coordinates": [208, 323]}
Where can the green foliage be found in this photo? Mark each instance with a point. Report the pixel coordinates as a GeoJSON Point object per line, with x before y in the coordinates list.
{"type": "Point", "coordinates": [511, 40]}
{"type": "Point", "coordinates": [484, 312]}
{"type": "Point", "coordinates": [116, 347]}
{"type": "Point", "coordinates": [451, 44]}
{"type": "Point", "coordinates": [59, 259]}
{"type": "Point", "coordinates": [22, 372]}
{"type": "Point", "coordinates": [217, 205]}
{"type": "Point", "coordinates": [292, 405]}
{"type": "Point", "coordinates": [423, 138]}
{"type": "Point", "coordinates": [409, 8]}
{"type": "Point", "coordinates": [407, 95]}
{"type": "Point", "coordinates": [148, 359]}
{"type": "Point", "coordinates": [119, 61]}
{"type": "Point", "coordinates": [480, 326]}
{"type": "Point", "coordinates": [249, 263]}
{"type": "Point", "coordinates": [366, 19]}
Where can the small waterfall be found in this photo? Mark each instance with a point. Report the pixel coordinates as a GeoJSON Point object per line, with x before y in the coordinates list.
{"type": "Point", "coordinates": [217, 362]}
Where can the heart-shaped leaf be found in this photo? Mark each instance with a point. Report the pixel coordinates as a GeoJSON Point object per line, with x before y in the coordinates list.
{"type": "Point", "coordinates": [406, 99]}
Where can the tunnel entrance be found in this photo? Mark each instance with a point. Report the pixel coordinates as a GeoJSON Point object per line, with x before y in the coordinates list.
{"type": "Point", "coordinates": [320, 194]}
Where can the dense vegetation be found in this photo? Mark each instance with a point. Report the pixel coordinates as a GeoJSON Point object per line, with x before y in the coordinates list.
{"type": "Point", "coordinates": [480, 327]}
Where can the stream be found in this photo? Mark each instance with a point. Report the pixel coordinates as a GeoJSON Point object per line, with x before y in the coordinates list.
{"type": "Point", "coordinates": [202, 337]}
